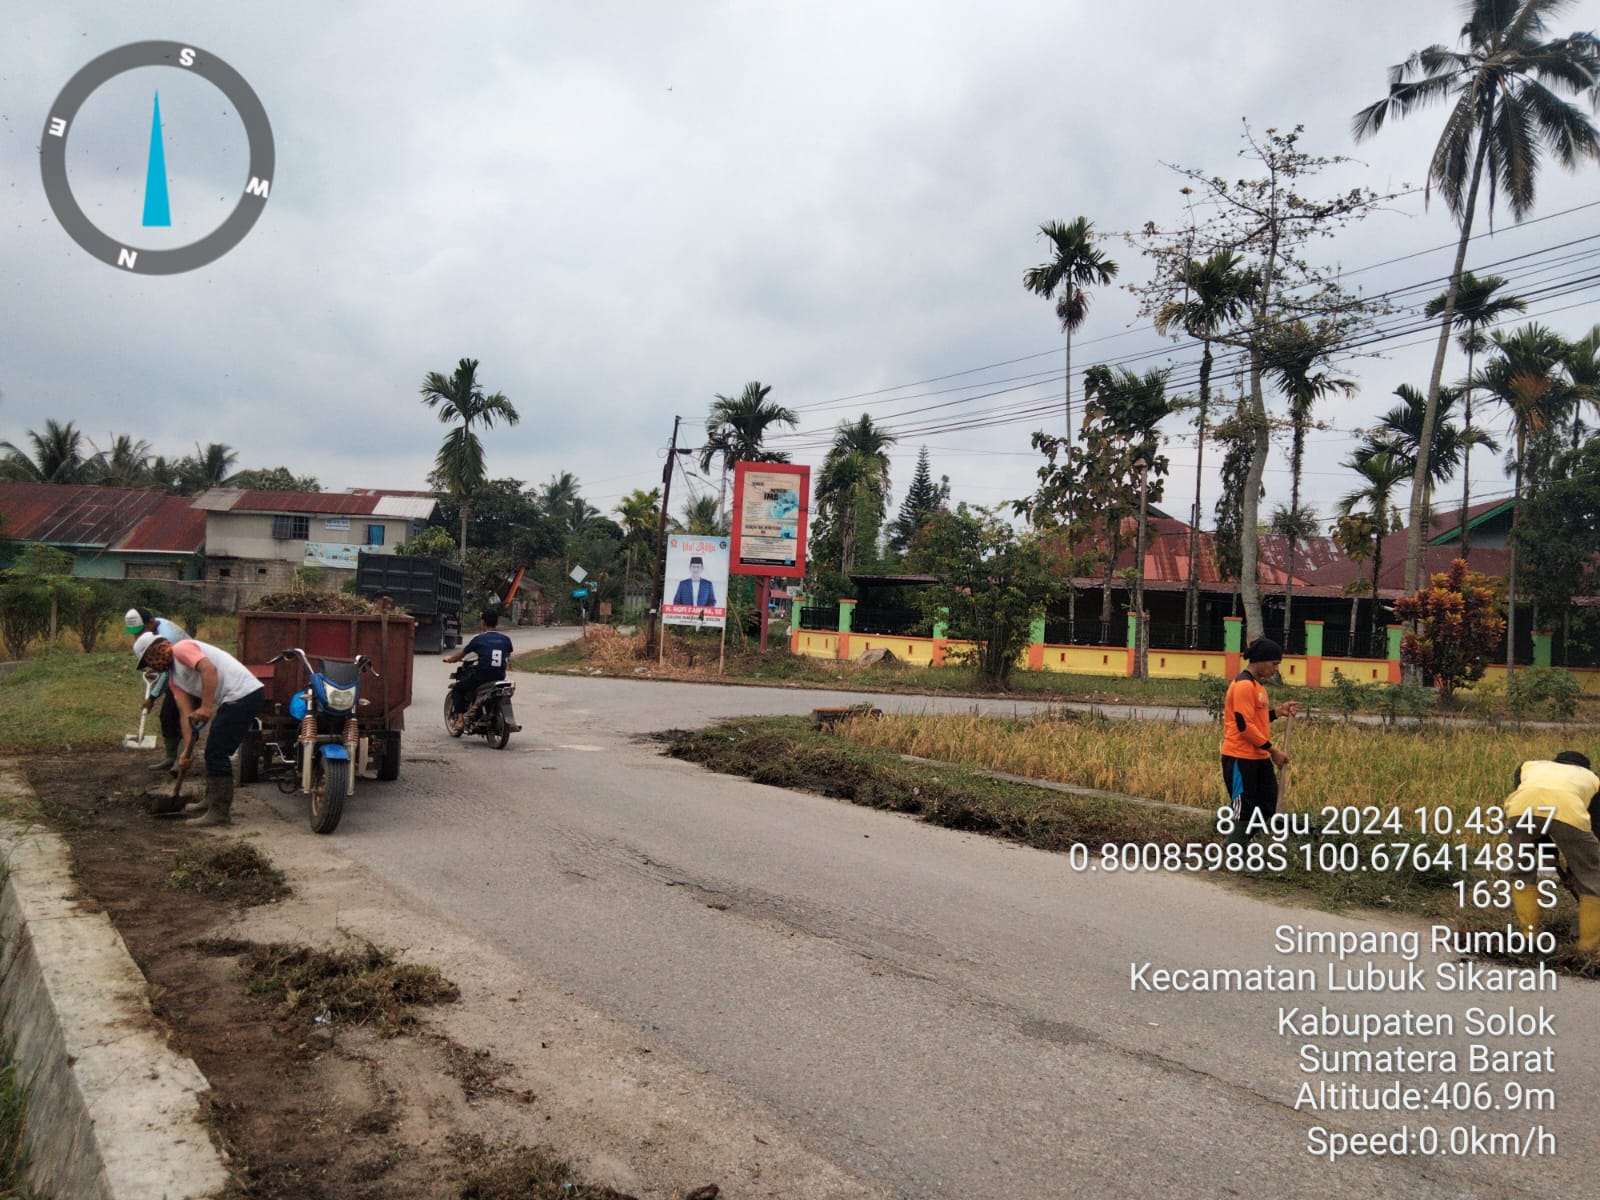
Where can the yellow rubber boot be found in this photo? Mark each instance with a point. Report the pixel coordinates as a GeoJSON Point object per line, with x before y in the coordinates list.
{"type": "Point", "coordinates": [1525, 899]}
{"type": "Point", "coordinates": [1589, 924]}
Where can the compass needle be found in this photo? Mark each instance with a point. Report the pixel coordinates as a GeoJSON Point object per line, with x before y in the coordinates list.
{"type": "Point", "coordinates": [157, 210]}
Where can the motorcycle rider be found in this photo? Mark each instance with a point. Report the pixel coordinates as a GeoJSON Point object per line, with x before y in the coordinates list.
{"type": "Point", "coordinates": [229, 696]}
{"type": "Point", "coordinates": [493, 649]}
{"type": "Point", "coordinates": [141, 620]}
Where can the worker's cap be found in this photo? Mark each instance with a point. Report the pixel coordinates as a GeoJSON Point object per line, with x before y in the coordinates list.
{"type": "Point", "coordinates": [697, 561]}
{"type": "Point", "coordinates": [142, 644]}
{"type": "Point", "coordinates": [1263, 650]}
{"type": "Point", "coordinates": [132, 621]}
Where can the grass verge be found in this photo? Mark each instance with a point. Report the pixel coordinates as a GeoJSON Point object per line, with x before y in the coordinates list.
{"type": "Point", "coordinates": [62, 700]}
{"type": "Point", "coordinates": [353, 987]}
{"type": "Point", "coordinates": [860, 766]}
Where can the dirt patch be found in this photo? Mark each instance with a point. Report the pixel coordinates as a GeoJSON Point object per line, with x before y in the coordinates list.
{"type": "Point", "coordinates": [313, 1097]}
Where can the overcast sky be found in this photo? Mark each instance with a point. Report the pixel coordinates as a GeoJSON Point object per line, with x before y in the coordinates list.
{"type": "Point", "coordinates": [622, 209]}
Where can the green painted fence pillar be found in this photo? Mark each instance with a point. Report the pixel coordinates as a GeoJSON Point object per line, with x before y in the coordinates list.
{"type": "Point", "coordinates": [1394, 653]}
{"type": "Point", "coordinates": [941, 627]}
{"type": "Point", "coordinates": [1232, 636]}
{"type": "Point", "coordinates": [1541, 649]}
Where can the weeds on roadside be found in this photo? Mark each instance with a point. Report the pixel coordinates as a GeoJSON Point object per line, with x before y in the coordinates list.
{"type": "Point", "coordinates": [13, 1113]}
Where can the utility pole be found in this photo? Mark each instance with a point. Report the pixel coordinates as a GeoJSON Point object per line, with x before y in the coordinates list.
{"type": "Point", "coordinates": [1141, 661]}
{"type": "Point", "coordinates": [661, 536]}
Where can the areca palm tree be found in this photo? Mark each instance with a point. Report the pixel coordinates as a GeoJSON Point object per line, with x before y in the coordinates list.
{"type": "Point", "coordinates": [1293, 355]}
{"type": "Point", "coordinates": [1216, 295]}
{"type": "Point", "coordinates": [700, 515]}
{"type": "Point", "coordinates": [1505, 116]}
{"type": "Point", "coordinates": [460, 398]}
{"type": "Point", "coordinates": [1527, 375]}
{"type": "Point", "coordinates": [1380, 475]}
{"type": "Point", "coordinates": [640, 513]}
{"type": "Point", "coordinates": [853, 484]}
{"type": "Point", "coordinates": [1477, 307]}
{"type": "Point", "coordinates": [57, 456]}
{"type": "Point", "coordinates": [1583, 373]}
{"type": "Point", "coordinates": [737, 429]}
{"type": "Point", "coordinates": [1399, 434]}
{"type": "Point", "coordinates": [1074, 266]}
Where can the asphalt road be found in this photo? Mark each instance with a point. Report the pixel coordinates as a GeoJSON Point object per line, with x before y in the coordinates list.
{"type": "Point", "coordinates": [946, 1015]}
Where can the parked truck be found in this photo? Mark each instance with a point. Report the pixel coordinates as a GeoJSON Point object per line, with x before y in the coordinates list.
{"type": "Point", "coordinates": [427, 589]}
{"type": "Point", "coordinates": [290, 731]}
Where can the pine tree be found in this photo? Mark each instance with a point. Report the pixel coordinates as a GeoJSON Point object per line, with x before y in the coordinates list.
{"type": "Point", "coordinates": [923, 499]}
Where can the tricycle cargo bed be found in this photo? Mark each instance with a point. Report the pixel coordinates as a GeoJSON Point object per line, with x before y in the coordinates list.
{"type": "Point", "coordinates": [385, 638]}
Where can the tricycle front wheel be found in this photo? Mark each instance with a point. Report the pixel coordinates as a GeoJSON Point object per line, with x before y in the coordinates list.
{"type": "Point", "coordinates": [330, 785]}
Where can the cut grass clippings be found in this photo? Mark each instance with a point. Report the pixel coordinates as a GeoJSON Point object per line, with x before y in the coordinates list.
{"type": "Point", "coordinates": [863, 764]}
{"type": "Point", "coordinates": [353, 987]}
{"type": "Point", "coordinates": [231, 870]}
{"type": "Point", "coordinates": [511, 1171]}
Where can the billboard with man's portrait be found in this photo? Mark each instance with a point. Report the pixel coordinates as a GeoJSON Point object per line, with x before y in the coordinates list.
{"type": "Point", "coordinates": [695, 590]}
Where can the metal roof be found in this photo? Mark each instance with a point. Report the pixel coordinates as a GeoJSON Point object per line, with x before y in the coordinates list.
{"type": "Point", "coordinates": [95, 518]}
{"type": "Point", "coordinates": [365, 502]}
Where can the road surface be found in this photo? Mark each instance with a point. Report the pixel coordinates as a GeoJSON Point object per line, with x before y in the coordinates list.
{"type": "Point", "coordinates": [944, 1014]}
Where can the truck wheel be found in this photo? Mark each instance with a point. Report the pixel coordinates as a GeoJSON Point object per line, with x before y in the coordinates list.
{"type": "Point", "coordinates": [389, 764]}
{"type": "Point", "coordinates": [250, 757]}
{"type": "Point", "coordinates": [328, 793]}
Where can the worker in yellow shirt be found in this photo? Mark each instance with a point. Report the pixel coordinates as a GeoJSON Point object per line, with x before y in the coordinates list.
{"type": "Point", "coordinates": [1562, 789]}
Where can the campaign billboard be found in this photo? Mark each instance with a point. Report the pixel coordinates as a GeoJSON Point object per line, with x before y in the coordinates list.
{"type": "Point", "coordinates": [695, 586]}
{"type": "Point", "coordinates": [771, 502]}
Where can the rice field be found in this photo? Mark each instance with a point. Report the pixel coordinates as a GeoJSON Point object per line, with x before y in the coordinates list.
{"type": "Point", "coordinates": [1331, 762]}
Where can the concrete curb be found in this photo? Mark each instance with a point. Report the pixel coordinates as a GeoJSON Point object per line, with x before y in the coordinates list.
{"type": "Point", "coordinates": [113, 1112]}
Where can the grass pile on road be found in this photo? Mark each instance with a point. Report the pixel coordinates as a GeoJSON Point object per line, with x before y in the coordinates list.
{"type": "Point", "coordinates": [353, 987]}
{"type": "Point", "coordinates": [230, 870]}
{"type": "Point", "coordinates": [785, 752]}
{"type": "Point", "coordinates": [858, 765]}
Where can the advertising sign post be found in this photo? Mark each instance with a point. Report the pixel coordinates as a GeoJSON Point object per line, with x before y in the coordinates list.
{"type": "Point", "coordinates": [771, 504]}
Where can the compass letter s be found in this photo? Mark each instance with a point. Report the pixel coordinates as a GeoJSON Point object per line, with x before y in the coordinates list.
{"type": "Point", "coordinates": [186, 56]}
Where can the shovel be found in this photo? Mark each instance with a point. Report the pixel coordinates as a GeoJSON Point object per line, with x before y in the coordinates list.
{"type": "Point", "coordinates": [167, 806]}
{"type": "Point", "coordinates": [141, 740]}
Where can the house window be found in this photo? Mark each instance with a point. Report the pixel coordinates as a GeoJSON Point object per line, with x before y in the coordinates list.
{"type": "Point", "coordinates": [374, 535]}
{"type": "Point", "coordinates": [224, 572]}
{"type": "Point", "coordinates": [286, 529]}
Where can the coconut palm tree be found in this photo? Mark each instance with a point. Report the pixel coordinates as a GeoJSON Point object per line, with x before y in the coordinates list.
{"type": "Point", "coordinates": [640, 515]}
{"type": "Point", "coordinates": [460, 398]}
{"type": "Point", "coordinates": [1505, 117]}
{"type": "Point", "coordinates": [737, 428]}
{"type": "Point", "coordinates": [853, 484]}
{"type": "Point", "coordinates": [1074, 266]}
{"type": "Point", "coordinates": [123, 464]}
{"type": "Point", "coordinates": [1477, 308]}
{"type": "Point", "coordinates": [1294, 352]}
{"type": "Point", "coordinates": [1216, 295]}
{"type": "Point", "coordinates": [1528, 375]}
{"type": "Point", "coordinates": [57, 456]}
{"type": "Point", "coordinates": [1380, 475]}
{"type": "Point", "coordinates": [206, 468]}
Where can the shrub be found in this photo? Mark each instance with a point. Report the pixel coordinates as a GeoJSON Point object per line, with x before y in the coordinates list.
{"type": "Point", "coordinates": [1557, 689]}
{"type": "Point", "coordinates": [96, 607]}
{"type": "Point", "coordinates": [1405, 700]}
{"type": "Point", "coordinates": [1213, 693]}
{"type": "Point", "coordinates": [1347, 695]}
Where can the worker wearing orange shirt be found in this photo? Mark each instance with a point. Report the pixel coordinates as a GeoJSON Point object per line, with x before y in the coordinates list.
{"type": "Point", "coordinates": [1249, 759]}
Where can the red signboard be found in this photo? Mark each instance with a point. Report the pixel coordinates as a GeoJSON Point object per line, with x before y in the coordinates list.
{"type": "Point", "coordinates": [771, 502]}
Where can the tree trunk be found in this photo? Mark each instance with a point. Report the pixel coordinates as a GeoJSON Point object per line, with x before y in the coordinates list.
{"type": "Point", "coordinates": [461, 553]}
{"type": "Point", "coordinates": [1466, 467]}
{"type": "Point", "coordinates": [1249, 510]}
{"type": "Point", "coordinates": [1511, 568]}
{"type": "Point", "coordinates": [1377, 568]}
{"type": "Point", "coordinates": [1069, 369]}
{"type": "Point", "coordinates": [1430, 413]}
{"type": "Point", "coordinates": [1355, 608]}
{"type": "Point", "coordinates": [1191, 603]}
